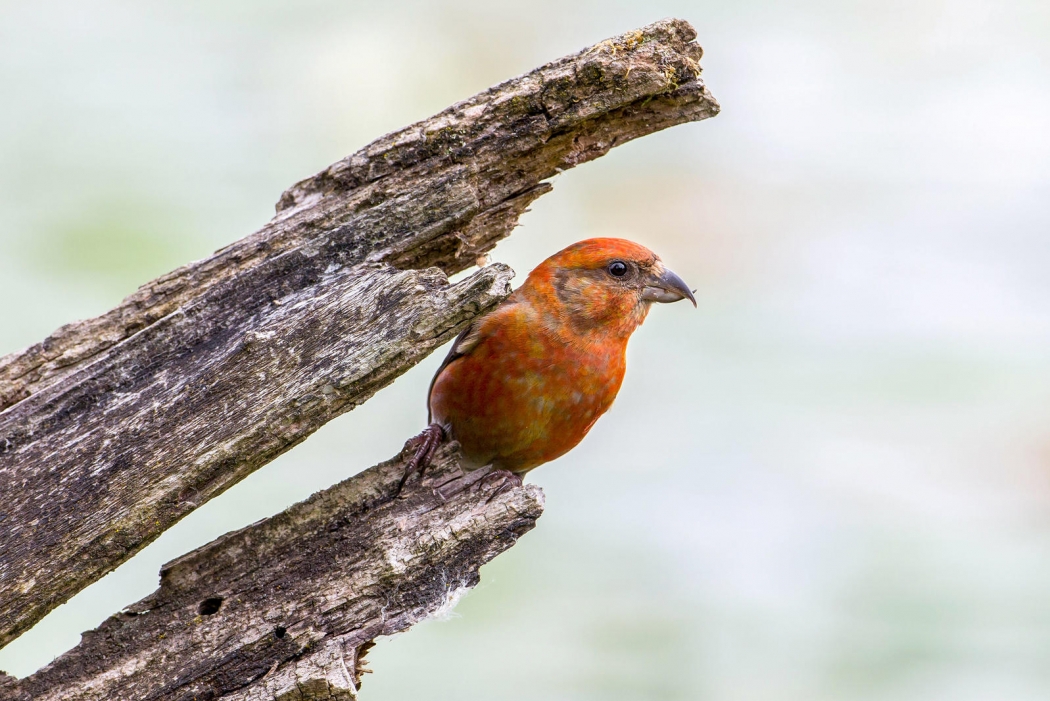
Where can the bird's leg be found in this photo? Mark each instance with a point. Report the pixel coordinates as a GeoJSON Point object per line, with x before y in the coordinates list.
{"type": "Point", "coordinates": [427, 442]}
{"type": "Point", "coordinates": [502, 479]}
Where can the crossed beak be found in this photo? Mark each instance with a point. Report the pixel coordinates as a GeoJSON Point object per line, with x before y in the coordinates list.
{"type": "Point", "coordinates": [664, 286]}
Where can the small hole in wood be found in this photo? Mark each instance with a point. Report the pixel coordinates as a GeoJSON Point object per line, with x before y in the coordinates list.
{"type": "Point", "coordinates": [279, 632]}
{"type": "Point", "coordinates": [210, 605]}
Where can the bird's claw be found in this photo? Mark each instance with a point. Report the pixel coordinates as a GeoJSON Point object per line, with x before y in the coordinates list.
{"type": "Point", "coordinates": [425, 445]}
{"type": "Point", "coordinates": [498, 481]}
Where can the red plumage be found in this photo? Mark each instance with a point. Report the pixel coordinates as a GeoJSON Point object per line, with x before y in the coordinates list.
{"type": "Point", "coordinates": [527, 381]}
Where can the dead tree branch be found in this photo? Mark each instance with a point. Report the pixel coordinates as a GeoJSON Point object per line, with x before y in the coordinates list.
{"type": "Point", "coordinates": [286, 608]}
{"type": "Point", "coordinates": [114, 428]}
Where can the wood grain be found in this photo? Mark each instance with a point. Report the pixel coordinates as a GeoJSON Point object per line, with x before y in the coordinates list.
{"type": "Point", "coordinates": [114, 428]}
{"type": "Point", "coordinates": [286, 608]}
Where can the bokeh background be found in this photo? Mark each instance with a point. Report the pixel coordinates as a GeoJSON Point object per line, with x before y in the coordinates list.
{"type": "Point", "coordinates": [832, 481]}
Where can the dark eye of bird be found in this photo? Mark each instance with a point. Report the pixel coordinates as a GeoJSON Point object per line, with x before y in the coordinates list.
{"type": "Point", "coordinates": [617, 268]}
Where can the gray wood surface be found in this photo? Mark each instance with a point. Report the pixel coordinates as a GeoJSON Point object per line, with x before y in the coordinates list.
{"type": "Point", "coordinates": [286, 608]}
{"type": "Point", "coordinates": [114, 428]}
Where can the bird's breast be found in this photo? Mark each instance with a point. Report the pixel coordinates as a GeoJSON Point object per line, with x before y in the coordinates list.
{"type": "Point", "coordinates": [518, 400]}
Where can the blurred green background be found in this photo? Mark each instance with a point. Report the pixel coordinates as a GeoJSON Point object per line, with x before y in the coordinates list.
{"type": "Point", "coordinates": [832, 481]}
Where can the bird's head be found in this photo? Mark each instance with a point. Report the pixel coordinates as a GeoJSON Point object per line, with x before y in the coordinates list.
{"type": "Point", "coordinates": [603, 285]}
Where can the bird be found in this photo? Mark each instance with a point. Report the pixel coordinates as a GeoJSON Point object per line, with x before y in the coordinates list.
{"type": "Point", "coordinates": [524, 383]}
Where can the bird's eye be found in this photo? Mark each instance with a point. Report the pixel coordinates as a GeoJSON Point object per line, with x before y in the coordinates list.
{"type": "Point", "coordinates": [617, 268]}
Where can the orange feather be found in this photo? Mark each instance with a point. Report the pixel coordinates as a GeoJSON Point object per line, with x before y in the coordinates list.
{"type": "Point", "coordinates": [526, 382]}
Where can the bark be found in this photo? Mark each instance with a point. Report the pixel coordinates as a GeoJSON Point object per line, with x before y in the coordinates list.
{"type": "Point", "coordinates": [114, 428]}
{"type": "Point", "coordinates": [286, 608]}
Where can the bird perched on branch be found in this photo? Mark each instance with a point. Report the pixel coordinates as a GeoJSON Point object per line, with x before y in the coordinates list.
{"type": "Point", "coordinates": [524, 383]}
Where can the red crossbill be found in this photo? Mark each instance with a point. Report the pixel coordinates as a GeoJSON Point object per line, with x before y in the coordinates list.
{"type": "Point", "coordinates": [523, 384]}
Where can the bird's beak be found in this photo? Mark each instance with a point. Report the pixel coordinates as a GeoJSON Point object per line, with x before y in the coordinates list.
{"type": "Point", "coordinates": [664, 286]}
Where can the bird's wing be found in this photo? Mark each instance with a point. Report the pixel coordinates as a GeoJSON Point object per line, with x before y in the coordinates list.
{"type": "Point", "coordinates": [464, 343]}
{"type": "Point", "coordinates": [468, 340]}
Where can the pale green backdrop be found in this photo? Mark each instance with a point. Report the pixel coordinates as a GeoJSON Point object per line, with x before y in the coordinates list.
{"type": "Point", "coordinates": [831, 481]}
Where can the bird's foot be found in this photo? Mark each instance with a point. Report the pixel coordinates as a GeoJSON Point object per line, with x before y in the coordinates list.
{"type": "Point", "coordinates": [424, 445]}
{"type": "Point", "coordinates": [482, 480]}
{"type": "Point", "coordinates": [497, 482]}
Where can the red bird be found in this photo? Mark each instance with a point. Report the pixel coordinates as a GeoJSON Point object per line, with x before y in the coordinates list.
{"type": "Point", "coordinates": [523, 384]}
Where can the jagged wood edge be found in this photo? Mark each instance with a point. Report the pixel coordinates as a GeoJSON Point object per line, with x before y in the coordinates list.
{"type": "Point", "coordinates": [291, 603]}
{"type": "Point", "coordinates": [434, 194]}
{"type": "Point", "coordinates": [245, 392]}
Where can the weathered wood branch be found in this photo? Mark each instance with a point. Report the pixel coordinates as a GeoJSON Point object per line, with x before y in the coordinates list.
{"type": "Point", "coordinates": [242, 392]}
{"type": "Point", "coordinates": [285, 608]}
{"type": "Point", "coordinates": [114, 428]}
